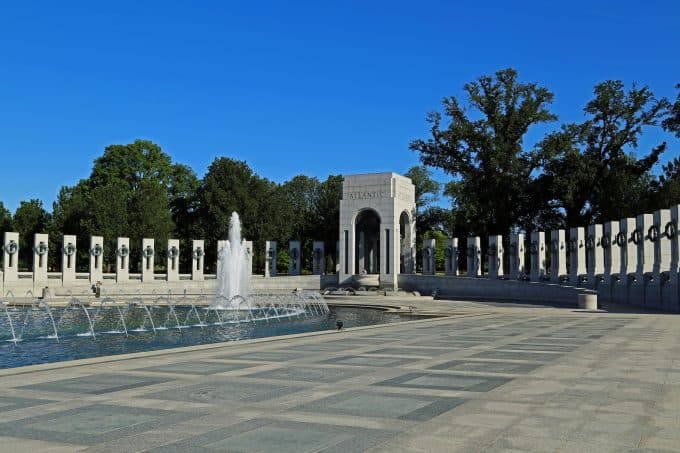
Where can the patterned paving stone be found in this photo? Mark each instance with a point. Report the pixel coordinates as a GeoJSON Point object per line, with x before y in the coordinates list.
{"type": "Point", "coordinates": [201, 368]}
{"type": "Point", "coordinates": [487, 367]}
{"type": "Point", "coordinates": [444, 382]}
{"type": "Point", "coordinates": [308, 374]}
{"type": "Point", "coordinates": [96, 384]}
{"type": "Point", "coordinates": [364, 404]}
{"type": "Point", "coordinates": [417, 351]}
{"type": "Point", "coordinates": [267, 356]}
{"type": "Point", "coordinates": [369, 361]}
{"type": "Point", "coordinates": [261, 435]}
{"type": "Point", "coordinates": [10, 403]}
{"type": "Point", "coordinates": [517, 355]}
{"type": "Point", "coordinates": [91, 425]}
{"type": "Point", "coordinates": [223, 391]}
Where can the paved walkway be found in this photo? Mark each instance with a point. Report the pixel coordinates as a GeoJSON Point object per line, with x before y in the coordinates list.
{"type": "Point", "coordinates": [490, 378]}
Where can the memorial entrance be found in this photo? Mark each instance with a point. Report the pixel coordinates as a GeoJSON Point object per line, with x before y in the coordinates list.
{"type": "Point", "coordinates": [377, 229]}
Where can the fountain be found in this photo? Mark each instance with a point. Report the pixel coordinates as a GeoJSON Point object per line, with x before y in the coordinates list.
{"type": "Point", "coordinates": [234, 278]}
{"type": "Point", "coordinates": [128, 315]}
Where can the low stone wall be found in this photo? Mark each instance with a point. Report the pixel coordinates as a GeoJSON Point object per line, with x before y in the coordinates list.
{"type": "Point", "coordinates": [464, 287]}
{"type": "Point", "coordinates": [259, 284]}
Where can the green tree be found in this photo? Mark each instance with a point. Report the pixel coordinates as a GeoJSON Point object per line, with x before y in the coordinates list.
{"type": "Point", "coordinates": [135, 191]}
{"type": "Point", "coordinates": [667, 188]}
{"type": "Point", "coordinates": [326, 218]}
{"type": "Point", "coordinates": [672, 122]}
{"type": "Point", "coordinates": [5, 219]}
{"type": "Point", "coordinates": [301, 195]}
{"type": "Point", "coordinates": [29, 218]}
{"type": "Point", "coordinates": [231, 186]}
{"type": "Point", "coordinates": [482, 148]}
{"type": "Point", "coordinates": [592, 171]}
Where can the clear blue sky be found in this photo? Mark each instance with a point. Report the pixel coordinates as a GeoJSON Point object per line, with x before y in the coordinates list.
{"type": "Point", "coordinates": [318, 87]}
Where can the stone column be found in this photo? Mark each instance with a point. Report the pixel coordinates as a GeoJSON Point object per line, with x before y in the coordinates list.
{"type": "Point", "coordinates": [612, 260]}
{"type": "Point", "coordinates": [318, 258]}
{"type": "Point", "coordinates": [595, 255]}
{"type": "Point", "coordinates": [662, 258]}
{"type": "Point", "coordinates": [68, 260]}
{"type": "Point", "coordinates": [671, 287]}
{"type": "Point", "coordinates": [10, 257]}
{"type": "Point", "coordinates": [249, 255]}
{"type": "Point", "coordinates": [517, 268]}
{"type": "Point", "coordinates": [495, 253]}
{"type": "Point", "coordinates": [96, 259]}
{"type": "Point", "coordinates": [473, 256]}
{"type": "Point", "coordinates": [628, 250]}
{"type": "Point", "coordinates": [645, 262]}
{"type": "Point", "coordinates": [537, 250]}
{"type": "Point", "coordinates": [428, 257]}
{"type": "Point", "coordinates": [148, 253]}
{"type": "Point", "coordinates": [173, 260]}
{"type": "Point", "coordinates": [198, 262]}
{"type": "Point", "coordinates": [40, 253]}
{"type": "Point", "coordinates": [270, 258]}
{"type": "Point", "coordinates": [577, 256]}
{"type": "Point", "coordinates": [558, 256]}
{"type": "Point", "coordinates": [122, 260]}
{"type": "Point", "coordinates": [451, 256]}
{"type": "Point", "coordinates": [294, 257]}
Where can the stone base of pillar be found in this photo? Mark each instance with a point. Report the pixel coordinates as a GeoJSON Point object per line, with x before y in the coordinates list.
{"type": "Point", "coordinates": [636, 292]}
{"type": "Point", "coordinates": [670, 297]}
{"type": "Point", "coordinates": [619, 290]}
{"type": "Point", "coordinates": [653, 294]}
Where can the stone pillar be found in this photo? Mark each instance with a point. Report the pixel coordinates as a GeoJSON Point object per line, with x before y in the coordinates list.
{"type": "Point", "coordinates": [148, 253]}
{"type": "Point", "coordinates": [10, 257]}
{"type": "Point", "coordinates": [270, 258]}
{"type": "Point", "coordinates": [318, 258]}
{"type": "Point", "coordinates": [68, 259]}
{"type": "Point", "coordinates": [612, 261]}
{"type": "Point", "coordinates": [558, 256]}
{"type": "Point", "coordinates": [671, 286]}
{"type": "Point", "coordinates": [173, 260]}
{"type": "Point", "coordinates": [294, 257]}
{"type": "Point", "coordinates": [451, 256]}
{"type": "Point", "coordinates": [516, 256]}
{"type": "Point", "coordinates": [628, 250]}
{"type": "Point", "coordinates": [248, 245]}
{"type": "Point", "coordinates": [577, 256]}
{"type": "Point", "coordinates": [537, 251]}
{"type": "Point", "coordinates": [662, 258]}
{"type": "Point", "coordinates": [122, 260]}
{"type": "Point", "coordinates": [40, 253]}
{"type": "Point", "coordinates": [221, 244]}
{"type": "Point", "coordinates": [96, 259]}
{"type": "Point", "coordinates": [595, 255]}
{"type": "Point", "coordinates": [495, 253]}
{"type": "Point", "coordinates": [473, 256]}
{"type": "Point", "coordinates": [198, 261]}
{"type": "Point", "coordinates": [645, 262]}
{"type": "Point", "coordinates": [428, 257]}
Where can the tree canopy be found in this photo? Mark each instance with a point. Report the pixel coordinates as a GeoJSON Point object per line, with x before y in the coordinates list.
{"type": "Point", "coordinates": [481, 145]}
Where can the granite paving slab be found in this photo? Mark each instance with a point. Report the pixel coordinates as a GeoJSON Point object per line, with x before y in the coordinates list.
{"type": "Point", "coordinates": [92, 424]}
{"type": "Point", "coordinates": [262, 435]}
{"type": "Point", "coordinates": [96, 384]}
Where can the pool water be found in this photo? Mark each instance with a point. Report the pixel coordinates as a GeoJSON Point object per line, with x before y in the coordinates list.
{"type": "Point", "coordinates": [71, 347]}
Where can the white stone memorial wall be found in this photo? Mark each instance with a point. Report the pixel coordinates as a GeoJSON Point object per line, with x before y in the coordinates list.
{"type": "Point", "coordinates": [96, 259]}
{"type": "Point", "coordinates": [68, 259]}
{"type": "Point", "coordinates": [40, 255]}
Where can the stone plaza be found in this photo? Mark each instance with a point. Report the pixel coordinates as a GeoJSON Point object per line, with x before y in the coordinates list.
{"type": "Point", "coordinates": [484, 377]}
